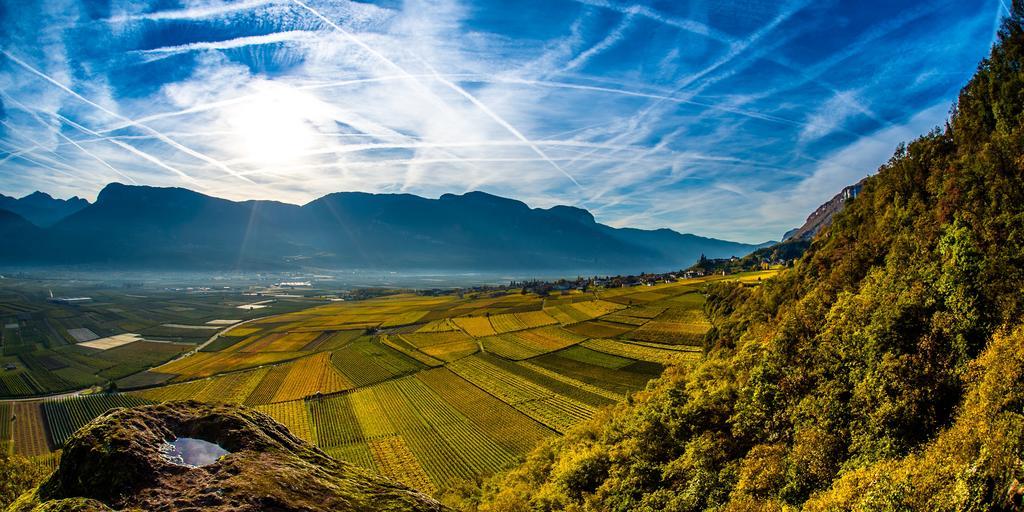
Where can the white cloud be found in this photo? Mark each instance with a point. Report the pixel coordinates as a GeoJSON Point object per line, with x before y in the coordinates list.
{"type": "Point", "coordinates": [831, 115]}
{"type": "Point", "coordinates": [855, 161]}
{"type": "Point", "coordinates": [704, 135]}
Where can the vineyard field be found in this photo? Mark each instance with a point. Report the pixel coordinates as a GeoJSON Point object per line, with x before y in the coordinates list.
{"type": "Point", "coordinates": [429, 390]}
{"type": "Point", "coordinates": [30, 437]}
{"type": "Point", "coordinates": [66, 415]}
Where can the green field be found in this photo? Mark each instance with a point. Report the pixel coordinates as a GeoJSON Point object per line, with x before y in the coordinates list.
{"type": "Point", "coordinates": [48, 348]}
{"type": "Point", "coordinates": [428, 390]}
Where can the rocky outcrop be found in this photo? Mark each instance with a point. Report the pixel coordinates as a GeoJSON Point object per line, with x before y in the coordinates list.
{"type": "Point", "coordinates": [115, 463]}
{"type": "Point", "coordinates": [821, 218]}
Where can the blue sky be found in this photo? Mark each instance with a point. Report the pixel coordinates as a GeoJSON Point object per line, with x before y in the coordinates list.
{"type": "Point", "coordinates": [731, 119]}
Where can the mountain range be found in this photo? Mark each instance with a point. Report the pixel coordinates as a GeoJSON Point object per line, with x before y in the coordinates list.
{"type": "Point", "coordinates": [41, 209]}
{"type": "Point", "coordinates": [175, 228]}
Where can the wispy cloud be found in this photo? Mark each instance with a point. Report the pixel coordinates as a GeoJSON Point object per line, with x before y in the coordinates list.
{"type": "Point", "coordinates": [613, 37]}
{"type": "Point", "coordinates": [720, 118]}
{"type": "Point", "coordinates": [163, 52]}
{"type": "Point", "coordinates": [201, 11]}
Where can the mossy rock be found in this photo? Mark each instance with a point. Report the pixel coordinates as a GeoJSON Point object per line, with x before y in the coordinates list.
{"type": "Point", "coordinates": [115, 463]}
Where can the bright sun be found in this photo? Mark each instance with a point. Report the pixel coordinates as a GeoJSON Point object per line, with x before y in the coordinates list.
{"type": "Point", "coordinates": [276, 127]}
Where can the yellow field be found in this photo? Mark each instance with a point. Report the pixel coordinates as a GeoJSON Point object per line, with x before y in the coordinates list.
{"type": "Point", "coordinates": [241, 332]}
{"type": "Point", "coordinates": [233, 388]}
{"type": "Point", "coordinates": [435, 390]}
{"type": "Point", "coordinates": [406, 318]}
{"type": "Point", "coordinates": [205, 364]}
{"type": "Point", "coordinates": [29, 435]}
{"type": "Point", "coordinates": [309, 376]}
{"type": "Point", "coordinates": [184, 391]}
{"type": "Point", "coordinates": [421, 340]}
{"type": "Point", "coordinates": [280, 342]}
{"type": "Point", "coordinates": [404, 347]}
{"type": "Point", "coordinates": [442, 325]}
{"type": "Point", "coordinates": [395, 460]}
{"type": "Point", "coordinates": [452, 351]}
{"type": "Point", "coordinates": [292, 415]}
{"type": "Point", "coordinates": [476, 326]}
{"type": "Point", "coordinates": [536, 319]}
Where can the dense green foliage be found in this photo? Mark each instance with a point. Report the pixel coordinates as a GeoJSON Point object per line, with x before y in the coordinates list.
{"type": "Point", "coordinates": [17, 475]}
{"type": "Point", "coordinates": [885, 371]}
{"type": "Point", "coordinates": [783, 253]}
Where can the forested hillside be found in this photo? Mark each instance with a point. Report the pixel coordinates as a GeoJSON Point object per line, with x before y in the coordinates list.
{"type": "Point", "coordinates": [885, 371]}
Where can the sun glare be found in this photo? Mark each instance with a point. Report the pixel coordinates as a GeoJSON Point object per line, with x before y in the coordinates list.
{"type": "Point", "coordinates": [276, 127]}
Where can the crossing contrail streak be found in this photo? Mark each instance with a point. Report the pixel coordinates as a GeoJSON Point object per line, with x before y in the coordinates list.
{"type": "Point", "coordinates": [190, 14]}
{"type": "Point", "coordinates": [214, 105]}
{"type": "Point", "coordinates": [23, 156]}
{"type": "Point", "coordinates": [610, 40]}
{"type": "Point", "coordinates": [451, 85]}
{"type": "Point", "coordinates": [412, 145]}
{"type": "Point", "coordinates": [637, 94]}
{"type": "Point", "coordinates": [498, 119]}
{"type": "Point", "coordinates": [418, 161]}
{"type": "Point", "coordinates": [469, 78]}
{"type": "Point", "coordinates": [131, 149]}
{"type": "Point", "coordinates": [290, 36]}
{"type": "Point", "coordinates": [20, 150]}
{"type": "Point", "coordinates": [103, 109]}
{"type": "Point", "coordinates": [736, 47]}
{"type": "Point", "coordinates": [35, 116]}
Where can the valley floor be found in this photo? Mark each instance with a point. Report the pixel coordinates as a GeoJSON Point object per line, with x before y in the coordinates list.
{"type": "Point", "coordinates": [428, 390]}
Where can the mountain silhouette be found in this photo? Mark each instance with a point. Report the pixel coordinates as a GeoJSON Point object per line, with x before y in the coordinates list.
{"type": "Point", "coordinates": [175, 228]}
{"type": "Point", "coordinates": [41, 209]}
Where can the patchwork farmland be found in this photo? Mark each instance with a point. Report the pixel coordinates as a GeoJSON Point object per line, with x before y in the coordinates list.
{"type": "Point", "coordinates": [429, 390]}
{"type": "Point", "coordinates": [48, 348]}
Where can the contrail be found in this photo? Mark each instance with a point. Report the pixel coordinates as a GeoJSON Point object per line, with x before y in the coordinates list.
{"type": "Point", "coordinates": [637, 94]}
{"type": "Point", "coordinates": [357, 148]}
{"type": "Point", "coordinates": [157, 134]}
{"type": "Point", "coordinates": [213, 105]}
{"type": "Point", "coordinates": [464, 76]}
{"type": "Point", "coordinates": [188, 14]}
{"type": "Point", "coordinates": [511, 129]}
{"type": "Point", "coordinates": [688, 25]}
{"type": "Point", "coordinates": [40, 164]}
{"type": "Point", "coordinates": [613, 37]}
{"type": "Point", "coordinates": [131, 149]}
{"type": "Point", "coordinates": [155, 54]}
{"type": "Point", "coordinates": [35, 116]}
{"type": "Point", "coordinates": [462, 92]}
{"type": "Point", "coordinates": [128, 137]}
{"type": "Point", "coordinates": [408, 161]}
{"type": "Point", "coordinates": [48, 167]}
{"type": "Point", "coordinates": [20, 150]}
{"type": "Point", "coordinates": [736, 47]}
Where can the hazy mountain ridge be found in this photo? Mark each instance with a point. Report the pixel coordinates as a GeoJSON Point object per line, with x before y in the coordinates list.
{"type": "Point", "coordinates": [41, 209]}
{"type": "Point", "coordinates": [172, 228]}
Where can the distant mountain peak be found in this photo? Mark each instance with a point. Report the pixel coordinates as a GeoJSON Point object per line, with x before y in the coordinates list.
{"type": "Point", "coordinates": [41, 208]}
{"type": "Point", "coordinates": [176, 228]}
{"type": "Point", "coordinates": [573, 213]}
{"type": "Point", "coordinates": [478, 197]}
{"type": "Point", "coordinates": [38, 195]}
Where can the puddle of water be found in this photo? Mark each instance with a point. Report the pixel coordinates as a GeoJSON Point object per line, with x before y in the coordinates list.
{"type": "Point", "coordinates": [187, 451]}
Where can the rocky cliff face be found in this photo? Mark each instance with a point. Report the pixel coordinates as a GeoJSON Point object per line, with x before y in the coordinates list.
{"type": "Point", "coordinates": [116, 463]}
{"type": "Point", "coordinates": [822, 217]}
